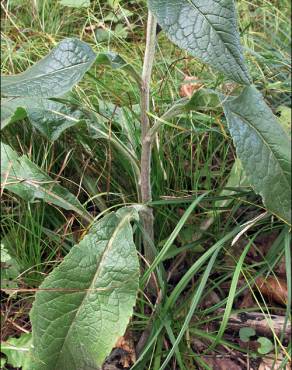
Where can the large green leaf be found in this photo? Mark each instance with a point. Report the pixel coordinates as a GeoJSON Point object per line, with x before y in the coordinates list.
{"type": "Point", "coordinates": [22, 177]}
{"type": "Point", "coordinates": [85, 304]}
{"type": "Point", "coordinates": [51, 118]}
{"type": "Point", "coordinates": [207, 30]}
{"type": "Point", "coordinates": [263, 148]}
{"type": "Point", "coordinates": [54, 75]}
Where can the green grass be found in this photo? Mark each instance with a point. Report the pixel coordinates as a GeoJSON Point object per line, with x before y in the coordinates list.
{"type": "Point", "coordinates": [193, 158]}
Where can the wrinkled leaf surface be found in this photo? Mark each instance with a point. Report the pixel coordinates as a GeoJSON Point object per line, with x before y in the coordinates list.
{"type": "Point", "coordinates": [54, 75]}
{"type": "Point", "coordinates": [207, 30]}
{"type": "Point", "coordinates": [263, 148]}
{"type": "Point", "coordinates": [85, 304]}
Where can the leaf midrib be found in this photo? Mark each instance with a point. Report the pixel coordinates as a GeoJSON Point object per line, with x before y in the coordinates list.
{"type": "Point", "coordinates": [218, 34]}
{"type": "Point", "coordinates": [38, 76]}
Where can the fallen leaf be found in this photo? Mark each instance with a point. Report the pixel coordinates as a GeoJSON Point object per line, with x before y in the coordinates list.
{"type": "Point", "coordinates": [274, 289]}
{"type": "Point", "coordinates": [123, 356]}
{"type": "Point", "coordinates": [280, 269]}
{"type": "Point", "coordinates": [222, 363]}
{"type": "Point", "coordinates": [127, 344]}
{"type": "Point", "coordinates": [189, 86]}
{"type": "Point", "coordinates": [270, 363]}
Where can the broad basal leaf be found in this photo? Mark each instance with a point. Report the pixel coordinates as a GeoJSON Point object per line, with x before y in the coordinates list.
{"type": "Point", "coordinates": [85, 304]}
{"type": "Point", "coordinates": [263, 148]}
{"type": "Point", "coordinates": [207, 29]}
{"type": "Point", "coordinates": [54, 75]}
{"type": "Point", "coordinates": [49, 117]}
{"type": "Point", "coordinates": [22, 177]}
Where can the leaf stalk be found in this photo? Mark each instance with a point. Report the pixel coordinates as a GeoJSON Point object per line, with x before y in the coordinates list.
{"type": "Point", "coordinates": [145, 180]}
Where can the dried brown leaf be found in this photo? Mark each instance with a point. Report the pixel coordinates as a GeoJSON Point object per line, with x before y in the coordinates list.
{"type": "Point", "coordinates": [274, 289]}
{"type": "Point", "coordinates": [189, 86]}
{"type": "Point", "coordinates": [123, 356]}
{"type": "Point", "coordinates": [270, 363]}
{"type": "Point", "coordinates": [222, 363]}
{"type": "Point", "coordinates": [127, 344]}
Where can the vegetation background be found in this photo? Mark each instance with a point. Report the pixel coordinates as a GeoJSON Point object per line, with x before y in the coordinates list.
{"type": "Point", "coordinates": [193, 154]}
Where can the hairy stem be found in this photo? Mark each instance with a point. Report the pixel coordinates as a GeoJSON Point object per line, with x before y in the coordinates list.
{"type": "Point", "coordinates": [146, 194]}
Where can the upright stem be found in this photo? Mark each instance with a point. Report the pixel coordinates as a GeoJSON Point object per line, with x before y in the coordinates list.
{"type": "Point", "coordinates": [146, 193]}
